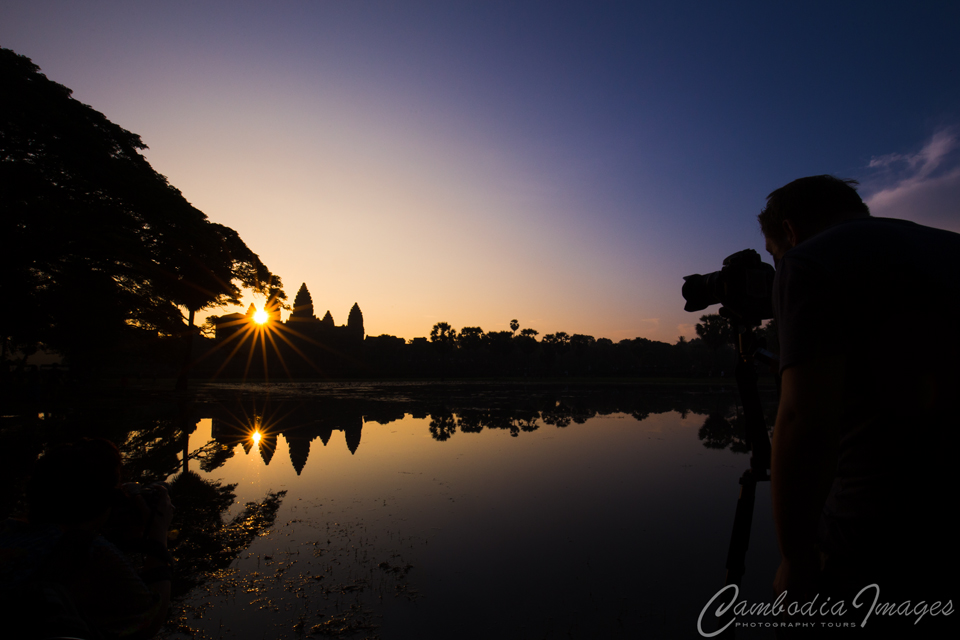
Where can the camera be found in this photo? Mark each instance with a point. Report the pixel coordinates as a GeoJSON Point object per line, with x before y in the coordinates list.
{"type": "Point", "coordinates": [744, 286]}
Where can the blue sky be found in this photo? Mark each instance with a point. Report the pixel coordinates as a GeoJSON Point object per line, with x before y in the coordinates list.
{"type": "Point", "coordinates": [564, 164]}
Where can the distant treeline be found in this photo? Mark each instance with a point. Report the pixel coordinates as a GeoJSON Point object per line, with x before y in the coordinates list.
{"type": "Point", "coordinates": [471, 352]}
{"type": "Point", "coordinates": [467, 353]}
{"type": "Point", "coordinates": [281, 354]}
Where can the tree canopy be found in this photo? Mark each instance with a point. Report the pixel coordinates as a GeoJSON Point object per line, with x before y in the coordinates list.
{"type": "Point", "coordinates": [93, 241]}
{"type": "Point", "coordinates": [715, 331]}
{"type": "Point", "coordinates": [443, 335]}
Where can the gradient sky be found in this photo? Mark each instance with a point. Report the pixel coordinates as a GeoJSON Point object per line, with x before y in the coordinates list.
{"type": "Point", "coordinates": [565, 164]}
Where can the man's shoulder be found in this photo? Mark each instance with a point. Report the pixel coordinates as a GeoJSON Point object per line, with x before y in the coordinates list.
{"type": "Point", "coordinates": [870, 229]}
{"type": "Point", "coordinates": [881, 229]}
{"type": "Point", "coordinates": [873, 241]}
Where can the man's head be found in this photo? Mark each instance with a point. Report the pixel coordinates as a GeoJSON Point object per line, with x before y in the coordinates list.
{"type": "Point", "coordinates": [805, 207]}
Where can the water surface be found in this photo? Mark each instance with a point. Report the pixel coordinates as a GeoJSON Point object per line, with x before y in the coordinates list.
{"type": "Point", "coordinates": [474, 511]}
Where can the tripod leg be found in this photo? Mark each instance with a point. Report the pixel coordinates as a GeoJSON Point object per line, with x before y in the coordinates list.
{"type": "Point", "coordinates": [739, 540]}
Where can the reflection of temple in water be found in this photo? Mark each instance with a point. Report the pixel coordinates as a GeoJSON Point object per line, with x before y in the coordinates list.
{"type": "Point", "coordinates": [299, 435]}
{"type": "Point", "coordinates": [450, 410]}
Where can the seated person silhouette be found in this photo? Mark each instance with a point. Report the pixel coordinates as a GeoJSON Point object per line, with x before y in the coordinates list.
{"type": "Point", "coordinates": [59, 575]}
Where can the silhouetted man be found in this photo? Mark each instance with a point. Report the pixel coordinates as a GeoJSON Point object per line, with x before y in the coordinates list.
{"type": "Point", "coordinates": [867, 313]}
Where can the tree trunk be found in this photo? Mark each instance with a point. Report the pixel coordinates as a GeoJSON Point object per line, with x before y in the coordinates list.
{"type": "Point", "coordinates": [183, 378]}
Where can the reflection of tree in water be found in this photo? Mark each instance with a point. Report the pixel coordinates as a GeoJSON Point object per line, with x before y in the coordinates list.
{"type": "Point", "coordinates": [561, 409]}
{"type": "Point", "coordinates": [449, 407]}
{"type": "Point", "coordinates": [216, 455]}
{"type": "Point", "coordinates": [716, 432]}
{"type": "Point", "coordinates": [474, 420]}
{"type": "Point", "coordinates": [719, 432]}
{"type": "Point", "coordinates": [443, 425]}
{"type": "Point", "coordinates": [153, 442]}
{"type": "Point", "coordinates": [470, 421]}
{"type": "Point", "coordinates": [528, 423]}
{"type": "Point", "coordinates": [558, 416]}
{"type": "Point", "coordinates": [206, 544]}
{"type": "Point", "coordinates": [154, 439]}
{"type": "Point", "coordinates": [152, 449]}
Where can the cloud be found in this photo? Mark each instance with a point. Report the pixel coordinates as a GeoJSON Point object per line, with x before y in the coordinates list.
{"type": "Point", "coordinates": [922, 186]}
{"type": "Point", "coordinates": [884, 161]}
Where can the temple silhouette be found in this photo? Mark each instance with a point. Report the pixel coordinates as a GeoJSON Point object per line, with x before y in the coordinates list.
{"type": "Point", "coordinates": [306, 346]}
{"type": "Point", "coordinates": [303, 346]}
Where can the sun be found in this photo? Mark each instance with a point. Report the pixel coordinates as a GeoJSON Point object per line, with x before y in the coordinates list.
{"type": "Point", "coordinates": [259, 329]}
{"type": "Point", "coordinates": [256, 437]}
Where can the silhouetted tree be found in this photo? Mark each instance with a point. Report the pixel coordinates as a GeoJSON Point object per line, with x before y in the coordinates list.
{"type": "Point", "coordinates": [581, 343]}
{"type": "Point", "coordinates": [556, 344]}
{"type": "Point", "coordinates": [559, 339]}
{"type": "Point", "coordinates": [443, 335]}
{"type": "Point", "coordinates": [527, 344]}
{"type": "Point", "coordinates": [94, 241]}
{"type": "Point", "coordinates": [444, 339]}
{"type": "Point", "coordinates": [715, 331]}
{"type": "Point", "coordinates": [514, 325]}
{"type": "Point", "coordinates": [471, 338]}
{"type": "Point", "coordinates": [527, 341]}
{"type": "Point", "coordinates": [501, 342]}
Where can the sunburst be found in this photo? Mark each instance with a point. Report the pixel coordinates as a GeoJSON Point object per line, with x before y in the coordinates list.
{"type": "Point", "coordinates": [256, 331]}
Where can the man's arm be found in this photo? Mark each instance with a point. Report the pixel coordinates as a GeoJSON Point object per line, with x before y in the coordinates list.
{"type": "Point", "coordinates": [802, 466]}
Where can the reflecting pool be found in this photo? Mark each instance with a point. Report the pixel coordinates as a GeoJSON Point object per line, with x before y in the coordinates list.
{"type": "Point", "coordinates": [471, 511]}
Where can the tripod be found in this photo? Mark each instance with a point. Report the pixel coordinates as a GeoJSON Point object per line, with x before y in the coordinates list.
{"type": "Point", "coordinates": [759, 443]}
